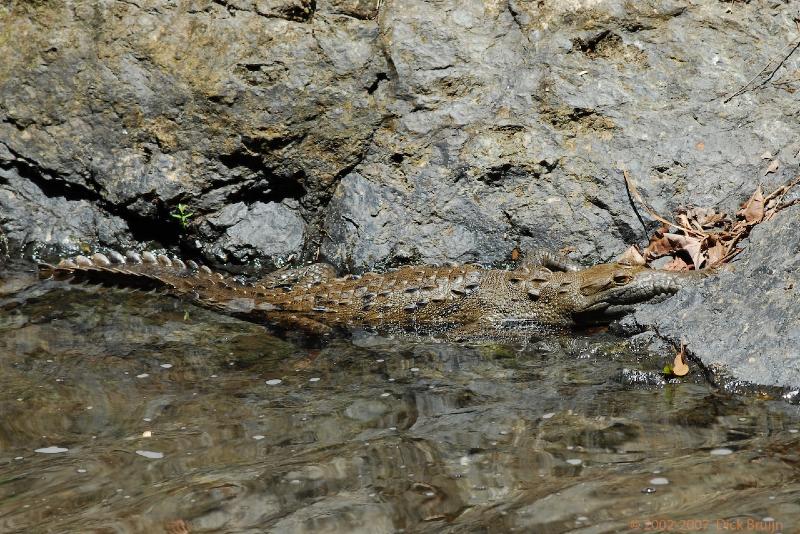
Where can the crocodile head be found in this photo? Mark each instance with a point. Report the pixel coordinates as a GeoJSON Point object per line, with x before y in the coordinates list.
{"type": "Point", "coordinates": [607, 291]}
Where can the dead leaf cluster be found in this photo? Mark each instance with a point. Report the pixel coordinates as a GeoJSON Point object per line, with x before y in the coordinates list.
{"type": "Point", "coordinates": [702, 238]}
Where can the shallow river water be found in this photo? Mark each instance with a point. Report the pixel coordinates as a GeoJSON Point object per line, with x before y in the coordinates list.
{"type": "Point", "coordinates": [130, 412]}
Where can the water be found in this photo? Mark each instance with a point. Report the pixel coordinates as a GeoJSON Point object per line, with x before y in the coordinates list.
{"type": "Point", "coordinates": [152, 415]}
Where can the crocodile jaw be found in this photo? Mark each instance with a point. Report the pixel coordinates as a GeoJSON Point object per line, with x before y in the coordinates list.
{"type": "Point", "coordinates": [645, 285]}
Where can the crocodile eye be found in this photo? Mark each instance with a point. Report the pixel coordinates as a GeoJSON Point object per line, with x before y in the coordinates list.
{"type": "Point", "coordinates": [622, 279]}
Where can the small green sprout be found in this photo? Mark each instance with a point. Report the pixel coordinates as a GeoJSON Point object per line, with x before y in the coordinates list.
{"type": "Point", "coordinates": [182, 215]}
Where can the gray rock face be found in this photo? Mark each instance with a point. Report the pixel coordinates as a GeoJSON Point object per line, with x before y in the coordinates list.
{"type": "Point", "coordinates": [375, 132]}
{"type": "Point", "coordinates": [745, 321]}
{"type": "Point", "coordinates": [245, 237]}
{"type": "Point", "coordinates": [29, 215]}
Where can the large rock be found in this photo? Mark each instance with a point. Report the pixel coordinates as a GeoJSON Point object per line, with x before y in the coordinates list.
{"type": "Point", "coordinates": [38, 217]}
{"type": "Point", "coordinates": [743, 323]}
{"type": "Point", "coordinates": [245, 237]}
{"type": "Point", "coordinates": [136, 106]}
{"type": "Point", "coordinates": [512, 122]}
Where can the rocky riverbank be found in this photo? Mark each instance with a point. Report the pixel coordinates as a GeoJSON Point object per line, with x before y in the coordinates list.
{"type": "Point", "coordinates": [373, 133]}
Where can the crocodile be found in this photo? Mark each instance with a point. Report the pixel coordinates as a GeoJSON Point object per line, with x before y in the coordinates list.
{"type": "Point", "coordinates": [543, 292]}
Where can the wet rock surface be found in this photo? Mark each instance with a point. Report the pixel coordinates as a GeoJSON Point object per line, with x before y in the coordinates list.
{"type": "Point", "coordinates": [379, 133]}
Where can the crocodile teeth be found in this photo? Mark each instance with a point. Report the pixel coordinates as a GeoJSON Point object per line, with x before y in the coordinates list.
{"type": "Point", "coordinates": [163, 260]}
{"type": "Point", "coordinates": [83, 261]}
{"type": "Point", "coordinates": [101, 260]}
{"type": "Point", "coordinates": [149, 257]}
{"type": "Point", "coordinates": [133, 257]}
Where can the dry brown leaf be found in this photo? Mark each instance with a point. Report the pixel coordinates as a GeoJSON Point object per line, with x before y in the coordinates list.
{"type": "Point", "coordinates": [704, 235]}
{"type": "Point", "coordinates": [716, 250]}
{"type": "Point", "coordinates": [773, 167]}
{"type": "Point", "coordinates": [753, 210]}
{"type": "Point", "coordinates": [683, 220]}
{"type": "Point", "coordinates": [631, 256]}
{"type": "Point", "coordinates": [679, 366]}
{"type": "Point", "coordinates": [658, 247]}
{"type": "Point", "coordinates": [677, 264]}
{"type": "Point", "coordinates": [705, 217]}
{"type": "Point", "coordinates": [691, 245]}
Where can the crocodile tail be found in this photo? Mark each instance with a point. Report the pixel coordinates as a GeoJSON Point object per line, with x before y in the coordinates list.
{"type": "Point", "coordinates": [146, 271]}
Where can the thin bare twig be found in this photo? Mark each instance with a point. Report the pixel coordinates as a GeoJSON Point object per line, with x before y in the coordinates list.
{"type": "Point", "coordinates": [632, 190]}
{"type": "Point", "coordinates": [743, 89]}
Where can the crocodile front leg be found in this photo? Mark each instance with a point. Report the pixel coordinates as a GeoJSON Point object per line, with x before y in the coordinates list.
{"type": "Point", "coordinates": [538, 258]}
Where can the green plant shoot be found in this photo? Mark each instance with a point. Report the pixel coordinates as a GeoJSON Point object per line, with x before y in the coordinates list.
{"type": "Point", "coordinates": [182, 215]}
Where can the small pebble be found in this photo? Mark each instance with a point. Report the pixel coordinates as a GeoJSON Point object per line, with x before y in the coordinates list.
{"type": "Point", "coordinates": [258, 437]}
{"type": "Point", "coordinates": [51, 450]}
{"type": "Point", "coordinates": [143, 375]}
{"type": "Point", "coordinates": [385, 394]}
{"type": "Point", "coordinates": [274, 381]}
{"type": "Point", "coordinates": [80, 470]}
{"type": "Point", "coordinates": [166, 365]}
{"type": "Point", "coordinates": [659, 481]}
{"type": "Point", "coordinates": [414, 369]}
{"type": "Point", "coordinates": [314, 379]}
{"type": "Point", "coordinates": [151, 454]}
{"type": "Point", "coordinates": [648, 490]}
{"type": "Point", "coordinates": [720, 452]}
{"type": "Point", "coordinates": [548, 415]}
{"type": "Point", "coordinates": [147, 434]}
{"type": "Point", "coordinates": [574, 461]}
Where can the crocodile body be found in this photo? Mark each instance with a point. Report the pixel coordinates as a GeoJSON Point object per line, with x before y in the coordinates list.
{"type": "Point", "coordinates": [468, 298]}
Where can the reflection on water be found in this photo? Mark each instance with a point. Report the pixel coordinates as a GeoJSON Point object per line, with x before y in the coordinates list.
{"type": "Point", "coordinates": [151, 415]}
